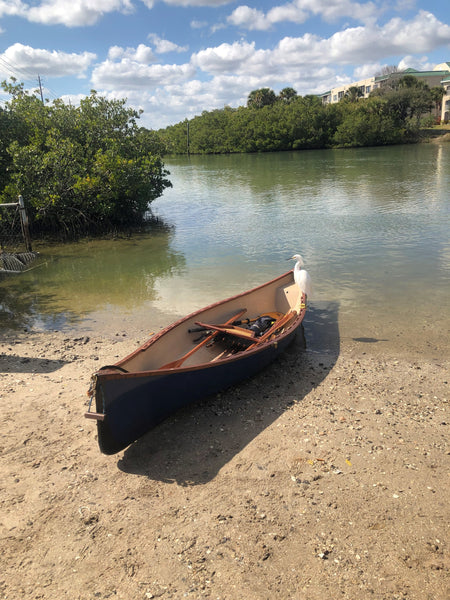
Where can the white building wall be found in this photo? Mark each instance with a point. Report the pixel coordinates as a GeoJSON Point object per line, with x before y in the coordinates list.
{"type": "Point", "coordinates": [365, 85]}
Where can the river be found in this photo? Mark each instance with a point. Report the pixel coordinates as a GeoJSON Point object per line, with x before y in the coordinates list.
{"type": "Point", "coordinates": [372, 225]}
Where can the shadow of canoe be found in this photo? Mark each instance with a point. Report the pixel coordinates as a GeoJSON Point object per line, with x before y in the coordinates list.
{"type": "Point", "coordinates": [191, 446]}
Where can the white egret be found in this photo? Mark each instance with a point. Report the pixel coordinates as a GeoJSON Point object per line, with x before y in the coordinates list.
{"type": "Point", "coordinates": [301, 276]}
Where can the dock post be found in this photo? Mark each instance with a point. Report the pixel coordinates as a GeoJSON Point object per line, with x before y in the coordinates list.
{"type": "Point", "coordinates": [24, 223]}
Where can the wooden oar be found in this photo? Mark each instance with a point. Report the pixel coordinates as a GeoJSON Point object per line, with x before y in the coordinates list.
{"type": "Point", "coordinates": [273, 315]}
{"type": "Point", "coordinates": [176, 363]}
{"type": "Point", "coordinates": [246, 334]}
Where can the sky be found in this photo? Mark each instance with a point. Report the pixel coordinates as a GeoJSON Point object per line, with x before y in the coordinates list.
{"type": "Point", "coordinates": [173, 59]}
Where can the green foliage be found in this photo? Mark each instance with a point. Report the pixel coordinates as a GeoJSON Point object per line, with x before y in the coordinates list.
{"type": "Point", "coordinates": [290, 122]}
{"type": "Point", "coordinates": [367, 124]}
{"type": "Point", "coordinates": [260, 98]}
{"type": "Point", "coordinates": [86, 169]}
{"type": "Point", "coordinates": [287, 95]}
{"type": "Point", "coordinates": [408, 99]}
{"type": "Point", "coordinates": [352, 94]}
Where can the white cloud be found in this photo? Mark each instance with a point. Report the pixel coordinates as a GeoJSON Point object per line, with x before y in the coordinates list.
{"type": "Point", "coordinates": [162, 46]}
{"type": "Point", "coordinates": [142, 54]}
{"type": "Point", "coordinates": [75, 13]}
{"type": "Point", "coordinates": [332, 10]}
{"type": "Point", "coordinates": [175, 102]}
{"type": "Point", "coordinates": [71, 13]}
{"type": "Point", "coordinates": [12, 8]}
{"type": "Point", "coordinates": [397, 37]}
{"type": "Point", "coordinates": [79, 13]}
{"type": "Point", "coordinates": [198, 24]}
{"type": "Point", "coordinates": [224, 58]}
{"type": "Point", "coordinates": [421, 34]}
{"type": "Point", "coordinates": [414, 62]}
{"type": "Point", "coordinates": [299, 11]}
{"type": "Point", "coordinates": [367, 70]}
{"type": "Point", "coordinates": [225, 74]}
{"type": "Point", "coordinates": [131, 74]}
{"type": "Point", "coordinates": [217, 27]}
{"type": "Point", "coordinates": [287, 12]}
{"type": "Point", "coordinates": [44, 62]}
{"type": "Point", "coordinates": [249, 18]}
{"type": "Point", "coordinates": [73, 99]}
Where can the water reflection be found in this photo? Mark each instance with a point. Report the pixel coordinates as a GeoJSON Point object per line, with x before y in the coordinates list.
{"type": "Point", "coordinates": [77, 279]}
{"type": "Point", "coordinates": [371, 223]}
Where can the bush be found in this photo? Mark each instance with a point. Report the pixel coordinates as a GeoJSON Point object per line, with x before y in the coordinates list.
{"type": "Point", "coordinates": [81, 170]}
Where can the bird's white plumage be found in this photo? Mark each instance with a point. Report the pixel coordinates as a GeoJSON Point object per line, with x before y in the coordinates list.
{"type": "Point", "coordinates": [301, 276]}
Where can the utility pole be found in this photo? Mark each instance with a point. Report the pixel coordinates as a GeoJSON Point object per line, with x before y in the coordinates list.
{"type": "Point", "coordinates": [40, 88]}
{"type": "Point", "coordinates": [187, 134]}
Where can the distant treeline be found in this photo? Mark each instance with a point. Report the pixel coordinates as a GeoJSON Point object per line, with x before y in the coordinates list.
{"type": "Point", "coordinates": [391, 115]}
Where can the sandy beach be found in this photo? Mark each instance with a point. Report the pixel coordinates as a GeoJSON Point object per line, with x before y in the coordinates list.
{"type": "Point", "coordinates": [324, 477]}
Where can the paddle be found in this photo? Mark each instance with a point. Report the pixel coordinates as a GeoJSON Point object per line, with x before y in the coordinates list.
{"type": "Point", "coordinates": [176, 363]}
{"type": "Point", "coordinates": [246, 334]}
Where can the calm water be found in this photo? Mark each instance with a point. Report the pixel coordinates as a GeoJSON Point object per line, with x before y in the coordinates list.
{"type": "Point", "coordinates": [371, 224]}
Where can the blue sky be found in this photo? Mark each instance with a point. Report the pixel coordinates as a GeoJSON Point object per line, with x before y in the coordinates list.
{"type": "Point", "coordinates": [176, 58]}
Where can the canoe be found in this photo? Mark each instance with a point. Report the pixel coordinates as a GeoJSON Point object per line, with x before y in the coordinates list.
{"type": "Point", "coordinates": [198, 356]}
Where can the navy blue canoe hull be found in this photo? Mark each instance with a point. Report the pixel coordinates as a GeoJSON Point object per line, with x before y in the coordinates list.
{"type": "Point", "coordinates": [135, 405]}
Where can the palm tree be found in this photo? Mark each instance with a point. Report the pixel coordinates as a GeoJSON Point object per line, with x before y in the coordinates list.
{"type": "Point", "coordinates": [353, 94]}
{"type": "Point", "coordinates": [261, 97]}
{"type": "Point", "coordinates": [437, 93]}
{"type": "Point", "coordinates": [287, 95]}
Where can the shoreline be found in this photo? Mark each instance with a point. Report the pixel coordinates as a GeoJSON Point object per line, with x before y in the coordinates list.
{"type": "Point", "coordinates": [324, 476]}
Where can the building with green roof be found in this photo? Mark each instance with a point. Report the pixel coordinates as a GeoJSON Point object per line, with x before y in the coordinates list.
{"type": "Point", "coordinates": [439, 76]}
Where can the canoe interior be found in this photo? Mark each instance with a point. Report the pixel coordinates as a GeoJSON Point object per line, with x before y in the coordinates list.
{"type": "Point", "coordinates": [279, 295]}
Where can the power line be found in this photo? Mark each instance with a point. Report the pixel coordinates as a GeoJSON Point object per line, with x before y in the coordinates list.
{"type": "Point", "coordinates": [28, 78]}
{"type": "Point", "coordinates": [16, 71]}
